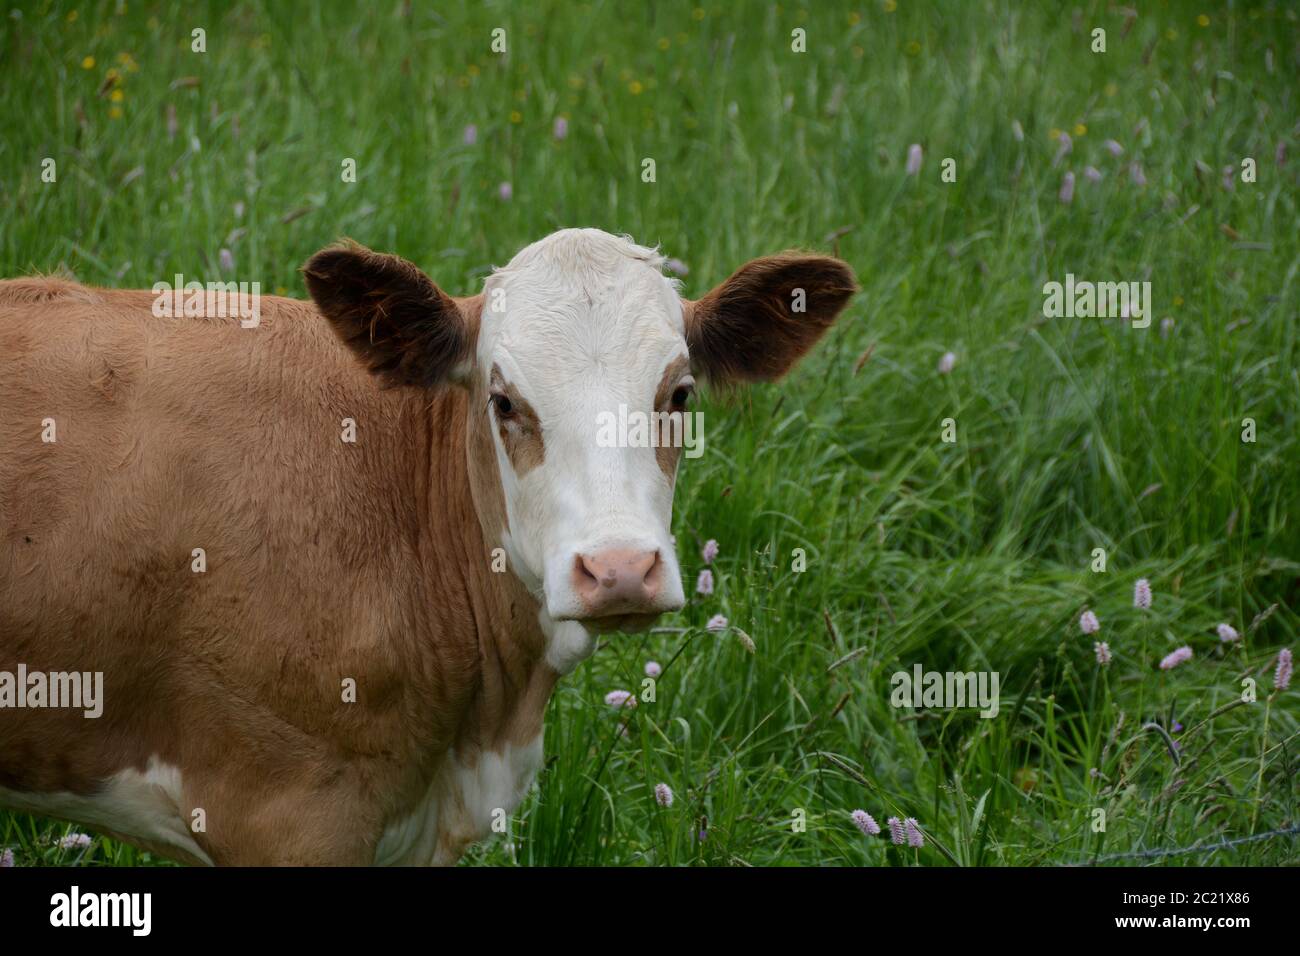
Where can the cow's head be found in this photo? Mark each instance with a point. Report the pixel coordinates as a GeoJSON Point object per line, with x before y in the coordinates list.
{"type": "Point", "coordinates": [580, 331]}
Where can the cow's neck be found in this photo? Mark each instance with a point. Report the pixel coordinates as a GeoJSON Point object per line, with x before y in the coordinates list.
{"type": "Point", "coordinates": [491, 611]}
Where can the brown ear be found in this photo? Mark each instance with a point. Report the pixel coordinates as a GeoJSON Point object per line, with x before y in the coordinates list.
{"type": "Point", "coordinates": [404, 328]}
{"type": "Point", "coordinates": [749, 328]}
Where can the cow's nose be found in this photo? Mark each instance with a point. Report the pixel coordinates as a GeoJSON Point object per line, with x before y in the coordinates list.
{"type": "Point", "coordinates": [618, 581]}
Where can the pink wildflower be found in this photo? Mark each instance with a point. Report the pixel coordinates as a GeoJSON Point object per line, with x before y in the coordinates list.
{"type": "Point", "coordinates": [1282, 676]}
{"type": "Point", "coordinates": [1066, 195]}
{"type": "Point", "coordinates": [864, 822]}
{"type": "Point", "coordinates": [1066, 146]}
{"type": "Point", "coordinates": [620, 698]}
{"type": "Point", "coordinates": [914, 837]}
{"type": "Point", "coordinates": [913, 159]}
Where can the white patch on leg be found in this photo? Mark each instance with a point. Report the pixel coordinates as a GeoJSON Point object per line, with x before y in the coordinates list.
{"type": "Point", "coordinates": [460, 805]}
{"type": "Point", "coordinates": [412, 840]}
{"type": "Point", "coordinates": [144, 806]}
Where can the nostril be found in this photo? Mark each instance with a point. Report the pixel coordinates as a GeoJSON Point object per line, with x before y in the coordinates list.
{"type": "Point", "coordinates": [654, 574]}
{"type": "Point", "coordinates": [583, 575]}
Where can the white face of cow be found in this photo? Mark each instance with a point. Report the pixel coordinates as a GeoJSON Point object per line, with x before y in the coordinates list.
{"type": "Point", "coordinates": [579, 327]}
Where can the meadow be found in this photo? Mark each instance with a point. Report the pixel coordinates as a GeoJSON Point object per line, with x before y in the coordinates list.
{"type": "Point", "coordinates": [977, 554]}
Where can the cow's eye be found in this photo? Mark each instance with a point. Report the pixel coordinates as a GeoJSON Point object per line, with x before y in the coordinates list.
{"type": "Point", "coordinates": [505, 408]}
{"type": "Point", "coordinates": [682, 394]}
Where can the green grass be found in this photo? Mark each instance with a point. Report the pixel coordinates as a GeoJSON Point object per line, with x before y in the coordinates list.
{"type": "Point", "coordinates": [1073, 434]}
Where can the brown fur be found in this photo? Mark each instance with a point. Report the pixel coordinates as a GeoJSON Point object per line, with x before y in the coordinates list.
{"type": "Point", "coordinates": [325, 559]}
{"type": "Point", "coordinates": [746, 330]}
{"type": "Point", "coordinates": [406, 329]}
{"type": "Point", "coordinates": [521, 432]}
{"type": "Point", "coordinates": [668, 454]}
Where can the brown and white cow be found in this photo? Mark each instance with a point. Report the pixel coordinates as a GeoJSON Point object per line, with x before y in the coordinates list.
{"type": "Point", "coordinates": [332, 564]}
